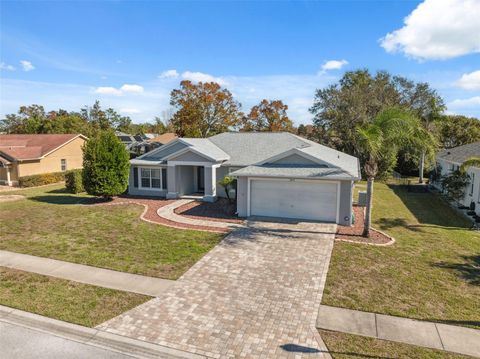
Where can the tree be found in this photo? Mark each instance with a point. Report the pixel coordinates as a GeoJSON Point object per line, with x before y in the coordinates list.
{"type": "Point", "coordinates": [105, 165]}
{"type": "Point", "coordinates": [268, 116]}
{"type": "Point", "coordinates": [358, 98]}
{"type": "Point", "coordinates": [470, 162]}
{"type": "Point", "coordinates": [228, 183]}
{"type": "Point", "coordinates": [203, 109]}
{"type": "Point", "coordinates": [455, 130]}
{"type": "Point", "coordinates": [380, 141]}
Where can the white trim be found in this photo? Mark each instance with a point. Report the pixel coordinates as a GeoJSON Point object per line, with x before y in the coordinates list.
{"type": "Point", "coordinates": [291, 180]}
{"type": "Point", "coordinates": [189, 163]}
{"type": "Point", "coordinates": [139, 174]}
{"type": "Point", "coordinates": [189, 149]}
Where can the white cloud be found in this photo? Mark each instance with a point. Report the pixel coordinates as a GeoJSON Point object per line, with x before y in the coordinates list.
{"type": "Point", "coordinates": [27, 65]}
{"type": "Point", "coordinates": [4, 66]}
{"type": "Point", "coordinates": [107, 90]}
{"type": "Point", "coordinates": [438, 29]}
{"type": "Point", "coordinates": [202, 77]}
{"type": "Point", "coordinates": [472, 102]}
{"type": "Point", "coordinates": [333, 65]}
{"type": "Point", "coordinates": [130, 111]}
{"type": "Point", "coordinates": [470, 81]}
{"type": "Point", "coordinates": [169, 74]}
{"type": "Point", "coordinates": [131, 88]}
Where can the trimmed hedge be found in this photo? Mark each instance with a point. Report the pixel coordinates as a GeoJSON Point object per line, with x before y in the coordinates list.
{"type": "Point", "coordinates": [73, 181]}
{"type": "Point", "coordinates": [41, 179]}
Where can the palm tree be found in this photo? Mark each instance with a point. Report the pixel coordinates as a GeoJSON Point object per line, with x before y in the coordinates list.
{"type": "Point", "coordinates": [470, 162]}
{"type": "Point", "coordinates": [382, 138]}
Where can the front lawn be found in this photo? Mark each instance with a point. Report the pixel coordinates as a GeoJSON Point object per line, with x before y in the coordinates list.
{"type": "Point", "coordinates": [432, 272]}
{"type": "Point", "coordinates": [61, 299]}
{"type": "Point", "coordinates": [54, 224]}
{"type": "Point", "coordinates": [348, 346]}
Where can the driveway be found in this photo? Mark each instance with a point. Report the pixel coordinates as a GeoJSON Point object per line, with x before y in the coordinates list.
{"type": "Point", "coordinates": [255, 295]}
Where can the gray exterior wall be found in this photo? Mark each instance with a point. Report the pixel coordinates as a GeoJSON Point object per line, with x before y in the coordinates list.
{"type": "Point", "coordinates": [162, 152]}
{"type": "Point", "coordinates": [143, 192]}
{"type": "Point", "coordinates": [189, 157]}
{"type": "Point", "coordinates": [294, 159]}
{"type": "Point", "coordinates": [345, 210]}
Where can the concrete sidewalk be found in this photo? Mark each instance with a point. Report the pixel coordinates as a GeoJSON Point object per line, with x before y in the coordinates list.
{"type": "Point", "coordinates": [85, 274]}
{"type": "Point", "coordinates": [42, 337]}
{"type": "Point", "coordinates": [425, 334]}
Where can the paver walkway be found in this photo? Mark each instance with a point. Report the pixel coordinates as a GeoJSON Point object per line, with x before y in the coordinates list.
{"type": "Point", "coordinates": [426, 334]}
{"type": "Point", "coordinates": [255, 295]}
{"type": "Point", "coordinates": [168, 212]}
{"type": "Point", "coordinates": [85, 274]}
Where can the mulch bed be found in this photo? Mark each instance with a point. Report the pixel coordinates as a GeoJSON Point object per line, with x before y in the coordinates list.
{"type": "Point", "coordinates": [354, 233]}
{"type": "Point", "coordinates": [221, 211]}
{"type": "Point", "coordinates": [150, 215]}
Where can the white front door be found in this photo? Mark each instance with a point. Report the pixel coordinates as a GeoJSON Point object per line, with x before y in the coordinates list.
{"type": "Point", "coordinates": [313, 200]}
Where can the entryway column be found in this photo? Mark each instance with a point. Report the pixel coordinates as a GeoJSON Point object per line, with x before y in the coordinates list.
{"type": "Point", "coordinates": [172, 191]}
{"type": "Point", "coordinates": [210, 183]}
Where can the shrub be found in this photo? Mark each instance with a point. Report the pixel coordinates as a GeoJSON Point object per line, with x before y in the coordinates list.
{"type": "Point", "coordinates": [41, 179]}
{"type": "Point", "coordinates": [105, 165]}
{"type": "Point", "coordinates": [228, 183]}
{"type": "Point", "coordinates": [73, 181]}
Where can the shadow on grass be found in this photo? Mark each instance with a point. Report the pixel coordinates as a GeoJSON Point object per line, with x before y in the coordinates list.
{"type": "Point", "coordinates": [68, 199]}
{"type": "Point", "coordinates": [429, 210]}
{"type": "Point", "coordinates": [469, 269]}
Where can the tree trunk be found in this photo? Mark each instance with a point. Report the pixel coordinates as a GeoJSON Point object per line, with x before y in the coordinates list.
{"type": "Point", "coordinates": [368, 210]}
{"type": "Point", "coordinates": [422, 165]}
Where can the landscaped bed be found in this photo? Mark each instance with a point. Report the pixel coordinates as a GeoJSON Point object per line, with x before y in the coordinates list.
{"type": "Point", "coordinates": [222, 210]}
{"type": "Point", "coordinates": [61, 299]}
{"type": "Point", "coordinates": [432, 272]}
{"type": "Point", "coordinates": [55, 224]}
{"type": "Point", "coordinates": [348, 346]}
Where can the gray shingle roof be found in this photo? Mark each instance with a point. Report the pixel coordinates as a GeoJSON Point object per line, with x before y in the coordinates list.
{"type": "Point", "coordinates": [302, 171]}
{"type": "Point", "coordinates": [246, 148]}
{"type": "Point", "coordinates": [461, 153]}
{"type": "Point", "coordinates": [205, 146]}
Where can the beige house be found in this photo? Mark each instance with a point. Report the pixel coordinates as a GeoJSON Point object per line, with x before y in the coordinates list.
{"type": "Point", "coordinates": [26, 155]}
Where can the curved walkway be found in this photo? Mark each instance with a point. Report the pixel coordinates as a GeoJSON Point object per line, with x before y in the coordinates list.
{"type": "Point", "coordinates": [168, 212]}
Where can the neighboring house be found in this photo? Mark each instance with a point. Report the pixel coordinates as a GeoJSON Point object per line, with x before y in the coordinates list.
{"type": "Point", "coordinates": [126, 139]}
{"type": "Point", "coordinates": [163, 139]}
{"type": "Point", "coordinates": [451, 159]}
{"type": "Point", "coordinates": [279, 174]}
{"type": "Point", "coordinates": [25, 155]}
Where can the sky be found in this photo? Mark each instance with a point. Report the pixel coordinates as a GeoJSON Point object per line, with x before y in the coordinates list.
{"type": "Point", "coordinates": [131, 54]}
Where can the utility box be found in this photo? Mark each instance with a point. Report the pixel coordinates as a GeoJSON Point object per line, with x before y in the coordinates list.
{"type": "Point", "coordinates": [362, 198]}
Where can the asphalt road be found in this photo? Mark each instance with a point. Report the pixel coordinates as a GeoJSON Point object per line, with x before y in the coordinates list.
{"type": "Point", "coordinates": [17, 342]}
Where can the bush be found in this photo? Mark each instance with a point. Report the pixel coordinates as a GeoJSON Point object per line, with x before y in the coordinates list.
{"type": "Point", "coordinates": [73, 181]}
{"type": "Point", "coordinates": [106, 165]}
{"type": "Point", "coordinates": [41, 179]}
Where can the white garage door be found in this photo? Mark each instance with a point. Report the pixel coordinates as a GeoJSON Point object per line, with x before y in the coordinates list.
{"type": "Point", "coordinates": [314, 200]}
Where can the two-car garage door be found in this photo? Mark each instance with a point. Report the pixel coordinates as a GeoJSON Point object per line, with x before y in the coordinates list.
{"type": "Point", "coordinates": [313, 200]}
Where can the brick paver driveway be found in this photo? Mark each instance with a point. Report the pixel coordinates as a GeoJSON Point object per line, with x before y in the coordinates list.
{"type": "Point", "coordinates": [255, 295]}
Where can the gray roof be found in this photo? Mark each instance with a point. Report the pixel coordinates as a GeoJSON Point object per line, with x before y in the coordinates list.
{"type": "Point", "coordinates": [461, 153]}
{"type": "Point", "coordinates": [205, 146]}
{"type": "Point", "coordinates": [302, 171]}
{"type": "Point", "coordinates": [246, 148]}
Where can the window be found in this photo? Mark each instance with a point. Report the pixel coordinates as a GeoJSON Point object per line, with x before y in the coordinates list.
{"type": "Point", "coordinates": [63, 164]}
{"type": "Point", "coordinates": [153, 178]}
{"type": "Point", "coordinates": [472, 183]}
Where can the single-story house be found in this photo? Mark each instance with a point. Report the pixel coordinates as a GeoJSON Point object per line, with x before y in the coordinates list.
{"type": "Point", "coordinates": [451, 159]}
{"type": "Point", "coordinates": [164, 138]}
{"type": "Point", "coordinates": [279, 174]}
{"type": "Point", "coordinates": [25, 155]}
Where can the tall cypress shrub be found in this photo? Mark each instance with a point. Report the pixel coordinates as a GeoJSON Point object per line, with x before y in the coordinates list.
{"type": "Point", "coordinates": [105, 165]}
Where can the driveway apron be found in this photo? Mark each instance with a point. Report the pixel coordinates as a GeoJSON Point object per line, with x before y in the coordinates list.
{"type": "Point", "coordinates": [255, 295]}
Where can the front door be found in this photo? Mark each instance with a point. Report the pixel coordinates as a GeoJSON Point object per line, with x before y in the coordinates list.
{"type": "Point", "coordinates": [201, 178]}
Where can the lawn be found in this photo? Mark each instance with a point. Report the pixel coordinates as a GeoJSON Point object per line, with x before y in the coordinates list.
{"type": "Point", "coordinates": [432, 272]}
{"type": "Point", "coordinates": [54, 224]}
{"type": "Point", "coordinates": [348, 346]}
{"type": "Point", "coordinates": [62, 299]}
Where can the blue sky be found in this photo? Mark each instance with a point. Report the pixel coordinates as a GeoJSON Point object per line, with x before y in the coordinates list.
{"type": "Point", "coordinates": [130, 55]}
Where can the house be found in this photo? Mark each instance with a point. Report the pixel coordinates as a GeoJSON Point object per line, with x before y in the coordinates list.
{"type": "Point", "coordinates": [163, 139]}
{"type": "Point", "coordinates": [279, 174]}
{"type": "Point", "coordinates": [25, 155]}
{"type": "Point", "coordinates": [451, 159]}
{"type": "Point", "coordinates": [125, 138]}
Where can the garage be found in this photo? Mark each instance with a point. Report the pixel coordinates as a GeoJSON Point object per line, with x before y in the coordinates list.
{"type": "Point", "coordinates": [299, 199]}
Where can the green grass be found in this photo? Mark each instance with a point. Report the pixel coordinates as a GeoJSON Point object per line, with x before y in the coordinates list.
{"type": "Point", "coordinates": [61, 299]}
{"type": "Point", "coordinates": [51, 223]}
{"type": "Point", "coordinates": [348, 346]}
{"type": "Point", "coordinates": [432, 272]}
